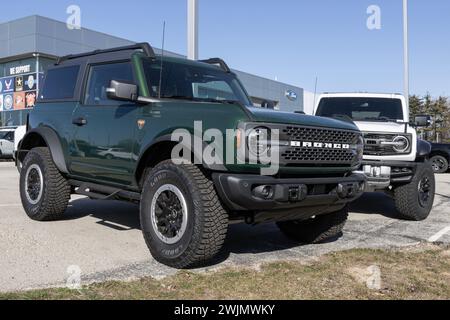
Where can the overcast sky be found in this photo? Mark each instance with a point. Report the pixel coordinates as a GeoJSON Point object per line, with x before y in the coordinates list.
{"type": "Point", "coordinates": [291, 40]}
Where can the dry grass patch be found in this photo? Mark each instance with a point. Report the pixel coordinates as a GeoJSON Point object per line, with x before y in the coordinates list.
{"type": "Point", "coordinates": [418, 273]}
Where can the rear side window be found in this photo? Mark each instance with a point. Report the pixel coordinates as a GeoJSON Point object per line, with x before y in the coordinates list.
{"type": "Point", "coordinates": [100, 77]}
{"type": "Point", "coordinates": [60, 83]}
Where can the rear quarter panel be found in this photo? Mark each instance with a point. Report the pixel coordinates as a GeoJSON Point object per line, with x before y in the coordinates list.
{"type": "Point", "coordinates": [58, 117]}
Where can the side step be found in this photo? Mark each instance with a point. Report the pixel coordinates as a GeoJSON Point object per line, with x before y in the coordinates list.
{"type": "Point", "coordinates": [100, 192]}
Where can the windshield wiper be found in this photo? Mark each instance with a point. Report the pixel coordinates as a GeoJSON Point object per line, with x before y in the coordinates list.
{"type": "Point", "coordinates": [225, 101]}
{"type": "Point", "coordinates": [342, 117]}
{"type": "Point", "coordinates": [180, 97]}
{"type": "Point", "coordinates": [379, 119]}
{"type": "Point", "coordinates": [175, 97]}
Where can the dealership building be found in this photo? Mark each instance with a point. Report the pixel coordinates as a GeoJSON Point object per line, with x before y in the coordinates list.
{"type": "Point", "coordinates": [28, 46]}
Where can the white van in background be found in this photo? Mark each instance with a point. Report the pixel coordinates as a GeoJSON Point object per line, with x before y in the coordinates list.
{"type": "Point", "coordinates": [18, 136]}
{"type": "Point", "coordinates": [7, 143]}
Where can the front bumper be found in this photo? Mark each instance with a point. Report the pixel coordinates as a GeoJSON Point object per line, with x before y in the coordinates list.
{"type": "Point", "coordinates": [278, 198]}
{"type": "Point", "coordinates": [382, 174]}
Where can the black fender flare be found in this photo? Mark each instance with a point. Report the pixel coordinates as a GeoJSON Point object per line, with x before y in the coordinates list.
{"type": "Point", "coordinates": [423, 149]}
{"type": "Point", "coordinates": [197, 157]}
{"type": "Point", "coordinates": [51, 140]}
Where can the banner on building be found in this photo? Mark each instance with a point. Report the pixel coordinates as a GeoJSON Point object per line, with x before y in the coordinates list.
{"type": "Point", "coordinates": [19, 84]}
{"type": "Point", "coordinates": [30, 99]}
{"type": "Point", "coordinates": [8, 102]}
{"type": "Point", "coordinates": [7, 85]}
{"type": "Point", "coordinates": [19, 92]}
{"type": "Point", "coordinates": [30, 82]}
{"type": "Point", "coordinates": [19, 100]}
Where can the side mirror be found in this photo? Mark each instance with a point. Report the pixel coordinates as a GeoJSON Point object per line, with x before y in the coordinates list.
{"type": "Point", "coordinates": [422, 121]}
{"type": "Point", "coordinates": [122, 91]}
{"type": "Point", "coordinates": [268, 105]}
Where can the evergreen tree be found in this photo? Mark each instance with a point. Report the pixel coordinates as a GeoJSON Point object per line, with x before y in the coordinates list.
{"type": "Point", "coordinates": [438, 109]}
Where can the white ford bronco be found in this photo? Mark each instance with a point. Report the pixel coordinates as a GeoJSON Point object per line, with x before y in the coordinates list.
{"type": "Point", "coordinates": [395, 160]}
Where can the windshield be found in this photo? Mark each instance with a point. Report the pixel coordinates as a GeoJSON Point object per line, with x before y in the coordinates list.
{"type": "Point", "coordinates": [361, 109]}
{"type": "Point", "coordinates": [188, 82]}
{"type": "Point", "coordinates": [6, 135]}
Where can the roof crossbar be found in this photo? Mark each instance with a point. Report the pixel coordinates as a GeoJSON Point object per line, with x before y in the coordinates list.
{"type": "Point", "coordinates": [148, 50]}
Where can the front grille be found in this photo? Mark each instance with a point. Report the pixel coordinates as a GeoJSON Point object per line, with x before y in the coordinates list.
{"type": "Point", "coordinates": [316, 155]}
{"type": "Point", "coordinates": [321, 135]}
{"type": "Point", "coordinates": [335, 155]}
{"type": "Point", "coordinates": [373, 146]}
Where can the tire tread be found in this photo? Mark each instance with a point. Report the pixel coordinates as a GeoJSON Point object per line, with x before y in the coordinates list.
{"type": "Point", "coordinates": [209, 235]}
{"type": "Point", "coordinates": [56, 194]}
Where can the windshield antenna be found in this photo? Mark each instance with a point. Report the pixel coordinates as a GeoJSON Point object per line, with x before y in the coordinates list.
{"type": "Point", "coordinates": [162, 59]}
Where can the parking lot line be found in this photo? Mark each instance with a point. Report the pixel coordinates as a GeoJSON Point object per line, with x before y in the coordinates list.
{"type": "Point", "coordinates": [439, 235]}
{"type": "Point", "coordinates": [10, 205]}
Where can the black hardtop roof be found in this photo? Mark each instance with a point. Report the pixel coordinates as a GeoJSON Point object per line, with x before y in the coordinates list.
{"type": "Point", "coordinates": [145, 47]}
{"type": "Point", "coordinates": [121, 53]}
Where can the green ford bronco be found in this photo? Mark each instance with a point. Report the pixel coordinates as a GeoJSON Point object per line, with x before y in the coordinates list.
{"type": "Point", "coordinates": [105, 128]}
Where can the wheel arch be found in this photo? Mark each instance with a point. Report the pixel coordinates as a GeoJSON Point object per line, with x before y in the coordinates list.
{"type": "Point", "coordinates": [161, 150]}
{"type": "Point", "coordinates": [423, 149]}
{"type": "Point", "coordinates": [155, 153]}
{"type": "Point", "coordinates": [43, 137]}
{"type": "Point", "coordinates": [441, 153]}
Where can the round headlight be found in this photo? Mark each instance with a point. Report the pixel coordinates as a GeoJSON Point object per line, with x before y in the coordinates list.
{"type": "Point", "coordinates": [401, 144]}
{"type": "Point", "coordinates": [360, 148]}
{"type": "Point", "coordinates": [258, 141]}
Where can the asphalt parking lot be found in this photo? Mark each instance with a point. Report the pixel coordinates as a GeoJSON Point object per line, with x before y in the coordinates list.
{"type": "Point", "coordinates": [104, 241]}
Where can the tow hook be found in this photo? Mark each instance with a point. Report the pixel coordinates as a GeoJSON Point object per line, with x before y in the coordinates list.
{"type": "Point", "coordinates": [349, 190]}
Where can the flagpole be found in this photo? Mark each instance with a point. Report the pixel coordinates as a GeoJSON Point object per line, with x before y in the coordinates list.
{"type": "Point", "coordinates": [406, 51]}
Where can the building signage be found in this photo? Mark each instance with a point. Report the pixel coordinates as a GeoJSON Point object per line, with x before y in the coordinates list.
{"type": "Point", "coordinates": [8, 102]}
{"type": "Point", "coordinates": [30, 99]}
{"type": "Point", "coordinates": [20, 69]}
{"type": "Point", "coordinates": [19, 90]}
{"type": "Point", "coordinates": [7, 85]}
{"type": "Point", "coordinates": [30, 82]}
{"type": "Point", "coordinates": [291, 95]}
{"type": "Point", "coordinates": [19, 84]}
{"type": "Point", "coordinates": [19, 100]}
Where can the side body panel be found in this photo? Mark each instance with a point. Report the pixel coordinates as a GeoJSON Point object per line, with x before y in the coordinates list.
{"type": "Point", "coordinates": [56, 117]}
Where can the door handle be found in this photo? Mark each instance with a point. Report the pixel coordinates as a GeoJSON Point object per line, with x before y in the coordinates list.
{"type": "Point", "coordinates": [79, 122]}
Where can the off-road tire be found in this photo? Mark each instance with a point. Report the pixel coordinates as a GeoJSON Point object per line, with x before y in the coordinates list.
{"type": "Point", "coordinates": [207, 222]}
{"type": "Point", "coordinates": [317, 229]}
{"type": "Point", "coordinates": [55, 192]}
{"type": "Point", "coordinates": [444, 164]}
{"type": "Point", "coordinates": [407, 196]}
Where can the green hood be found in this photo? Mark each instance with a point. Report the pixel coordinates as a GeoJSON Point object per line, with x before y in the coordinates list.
{"type": "Point", "coordinates": [272, 116]}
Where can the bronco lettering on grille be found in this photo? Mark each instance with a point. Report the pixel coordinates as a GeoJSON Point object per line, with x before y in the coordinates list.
{"type": "Point", "coordinates": [319, 145]}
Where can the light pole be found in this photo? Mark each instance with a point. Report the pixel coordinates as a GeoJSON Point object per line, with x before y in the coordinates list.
{"type": "Point", "coordinates": [192, 29]}
{"type": "Point", "coordinates": [406, 51]}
